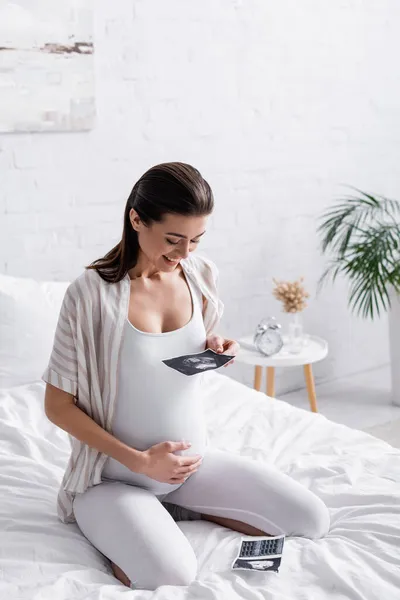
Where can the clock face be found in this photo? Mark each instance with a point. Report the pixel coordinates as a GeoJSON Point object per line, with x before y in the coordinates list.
{"type": "Point", "coordinates": [270, 342]}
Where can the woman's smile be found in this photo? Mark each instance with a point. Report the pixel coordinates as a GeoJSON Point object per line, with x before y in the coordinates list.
{"type": "Point", "coordinates": [172, 261]}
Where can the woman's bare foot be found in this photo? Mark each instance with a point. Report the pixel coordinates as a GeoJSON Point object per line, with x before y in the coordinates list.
{"type": "Point", "coordinates": [119, 574]}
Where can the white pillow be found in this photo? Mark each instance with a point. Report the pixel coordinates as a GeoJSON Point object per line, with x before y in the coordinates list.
{"type": "Point", "coordinates": [29, 311]}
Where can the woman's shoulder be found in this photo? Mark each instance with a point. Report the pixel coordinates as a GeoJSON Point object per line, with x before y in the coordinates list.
{"type": "Point", "coordinates": [87, 285]}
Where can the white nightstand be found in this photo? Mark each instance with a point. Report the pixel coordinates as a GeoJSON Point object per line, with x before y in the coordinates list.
{"type": "Point", "coordinates": [315, 349]}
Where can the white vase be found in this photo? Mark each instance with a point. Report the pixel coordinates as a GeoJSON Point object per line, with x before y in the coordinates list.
{"type": "Point", "coordinates": [394, 341]}
{"type": "Point", "coordinates": [295, 339]}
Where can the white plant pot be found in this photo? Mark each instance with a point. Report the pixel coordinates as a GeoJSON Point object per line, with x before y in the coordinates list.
{"type": "Point", "coordinates": [394, 341]}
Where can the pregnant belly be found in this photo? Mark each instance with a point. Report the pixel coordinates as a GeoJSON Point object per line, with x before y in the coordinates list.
{"type": "Point", "coordinates": [144, 433]}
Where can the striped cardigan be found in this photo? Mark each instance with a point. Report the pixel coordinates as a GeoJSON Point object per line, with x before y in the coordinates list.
{"type": "Point", "coordinates": [85, 358]}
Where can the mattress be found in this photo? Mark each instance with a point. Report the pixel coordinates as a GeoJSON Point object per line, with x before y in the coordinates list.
{"type": "Point", "coordinates": [357, 476]}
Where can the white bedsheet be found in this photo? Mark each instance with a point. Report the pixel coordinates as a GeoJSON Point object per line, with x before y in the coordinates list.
{"type": "Point", "coordinates": [357, 475]}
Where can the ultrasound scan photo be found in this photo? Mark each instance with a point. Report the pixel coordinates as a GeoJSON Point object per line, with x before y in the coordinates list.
{"type": "Point", "coordinates": [192, 364]}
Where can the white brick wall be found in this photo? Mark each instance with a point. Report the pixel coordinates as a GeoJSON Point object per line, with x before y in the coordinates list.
{"type": "Point", "coordinates": [277, 103]}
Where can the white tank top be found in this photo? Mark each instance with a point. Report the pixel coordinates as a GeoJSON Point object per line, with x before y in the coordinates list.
{"type": "Point", "coordinates": [154, 402]}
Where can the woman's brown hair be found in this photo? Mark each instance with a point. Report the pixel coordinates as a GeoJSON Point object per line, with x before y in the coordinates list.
{"type": "Point", "coordinates": [173, 187]}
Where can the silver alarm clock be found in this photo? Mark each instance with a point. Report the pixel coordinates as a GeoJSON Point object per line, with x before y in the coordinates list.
{"type": "Point", "coordinates": [267, 338]}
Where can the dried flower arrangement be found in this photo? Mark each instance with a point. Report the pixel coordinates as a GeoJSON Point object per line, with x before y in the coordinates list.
{"type": "Point", "coordinates": [292, 294]}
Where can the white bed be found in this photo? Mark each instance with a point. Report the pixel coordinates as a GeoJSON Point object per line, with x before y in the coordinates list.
{"type": "Point", "coordinates": [357, 475]}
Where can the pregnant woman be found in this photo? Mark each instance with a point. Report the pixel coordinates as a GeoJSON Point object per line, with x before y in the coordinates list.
{"type": "Point", "coordinates": [140, 455]}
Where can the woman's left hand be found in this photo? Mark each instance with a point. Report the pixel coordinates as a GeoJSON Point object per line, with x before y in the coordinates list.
{"type": "Point", "coordinates": [222, 346]}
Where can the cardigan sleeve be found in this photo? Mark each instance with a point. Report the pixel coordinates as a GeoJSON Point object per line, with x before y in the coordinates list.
{"type": "Point", "coordinates": [214, 307]}
{"type": "Point", "coordinates": [62, 369]}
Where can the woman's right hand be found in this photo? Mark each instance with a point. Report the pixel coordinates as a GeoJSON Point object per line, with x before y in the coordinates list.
{"type": "Point", "coordinates": [162, 465]}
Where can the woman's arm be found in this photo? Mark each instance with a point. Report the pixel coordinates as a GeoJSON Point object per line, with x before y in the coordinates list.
{"type": "Point", "coordinates": [222, 345]}
{"type": "Point", "coordinates": [60, 409]}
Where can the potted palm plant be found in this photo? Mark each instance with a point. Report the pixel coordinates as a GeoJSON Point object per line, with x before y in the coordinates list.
{"type": "Point", "coordinates": [362, 232]}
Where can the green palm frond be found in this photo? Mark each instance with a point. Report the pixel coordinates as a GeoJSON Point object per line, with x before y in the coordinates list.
{"type": "Point", "coordinates": [344, 220]}
{"type": "Point", "coordinates": [363, 233]}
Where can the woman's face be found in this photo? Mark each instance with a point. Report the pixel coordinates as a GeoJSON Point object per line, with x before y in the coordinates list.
{"type": "Point", "coordinates": [173, 238]}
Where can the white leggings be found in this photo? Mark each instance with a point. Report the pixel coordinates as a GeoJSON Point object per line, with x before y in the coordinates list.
{"type": "Point", "coordinates": [132, 528]}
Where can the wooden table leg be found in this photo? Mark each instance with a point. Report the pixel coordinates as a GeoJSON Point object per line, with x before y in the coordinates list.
{"type": "Point", "coordinates": [310, 387]}
{"type": "Point", "coordinates": [271, 381]}
{"type": "Point", "coordinates": [257, 377]}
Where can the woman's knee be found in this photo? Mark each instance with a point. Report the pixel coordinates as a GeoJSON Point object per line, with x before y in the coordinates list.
{"type": "Point", "coordinates": [150, 551]}
{"type": "Point", "coordinates": [313, 518]}
{"type": "Point", "coordinates": [182, 572]}
{"type": "Point", "coordinates": [167, 570]}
